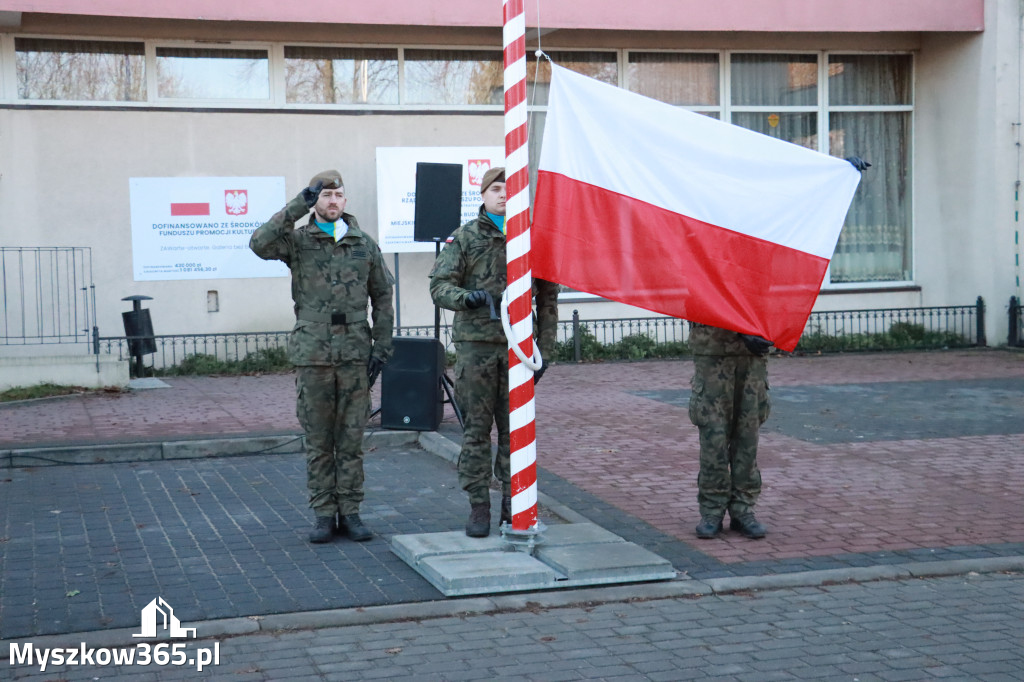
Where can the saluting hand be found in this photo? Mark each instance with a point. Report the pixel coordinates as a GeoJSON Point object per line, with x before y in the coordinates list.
{"type": "Point", "coordinates": [311, 194]}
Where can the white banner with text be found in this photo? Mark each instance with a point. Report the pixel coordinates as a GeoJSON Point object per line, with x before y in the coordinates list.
{"type": "Point", "coordinates": [199, 228]}
{"type": "Point", "coordinates": [396, 189]}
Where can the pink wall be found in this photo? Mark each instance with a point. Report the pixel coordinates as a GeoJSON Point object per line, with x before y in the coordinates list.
{"type": "Point", "coordinates": [671, 15]}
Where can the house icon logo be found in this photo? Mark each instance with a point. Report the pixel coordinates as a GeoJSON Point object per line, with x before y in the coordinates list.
{"type": "Point", "coordinates": [159, 613]}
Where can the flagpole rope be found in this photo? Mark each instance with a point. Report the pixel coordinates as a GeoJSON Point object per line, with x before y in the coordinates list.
{"type": "Point", "coordinates": [534, 363]}
{"type": "Point", "coordinates": [520, 280]}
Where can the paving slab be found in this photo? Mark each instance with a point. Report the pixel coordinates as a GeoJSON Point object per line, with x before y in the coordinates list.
{"type": "Point", "coordinates": [419, 546]}
{"type": "Point", "coordinates": [145, 383]}
{"type": "Point", "coordinates": [456, 575]}
{"type": "Point", "coordinates": [577, 534]}
{"type": "Point", "coordinates": [614, 562]}
{"type": "Point", "coordinates": [567, 555]}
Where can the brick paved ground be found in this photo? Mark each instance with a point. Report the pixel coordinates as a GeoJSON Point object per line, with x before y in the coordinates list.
{"type": "Point", "coordinates": [853, 495]}
{"type": "Point", "coordinates": [216, 538]}
{"type": "Point", "coordinates": [193, 406]}
{"type": "Point", "coordinates": [957, 628]}
{"type": "Point", "coordinates": [614, 444]}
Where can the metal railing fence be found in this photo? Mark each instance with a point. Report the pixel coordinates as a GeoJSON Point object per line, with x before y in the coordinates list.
{"type": "Point", "coordinates": [916, 328]}
{"type": "Point", "coordinates": [258, 348]}
{"type": "Point", "coordinates": [594, 339]}
{"type": "Point", "coordinates": [48, 295]}
{"type": "Point", "coordinates": [919, 328]}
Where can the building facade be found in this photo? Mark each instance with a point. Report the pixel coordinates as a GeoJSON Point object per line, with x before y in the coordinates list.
{"type": "Point", "coordinates": [94, 94]}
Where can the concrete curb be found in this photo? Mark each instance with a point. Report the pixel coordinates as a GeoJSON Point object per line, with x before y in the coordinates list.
{"type": "Point", "coordinates": [476, 606]}
{"type": "Point", "coordinates": [180, 449]}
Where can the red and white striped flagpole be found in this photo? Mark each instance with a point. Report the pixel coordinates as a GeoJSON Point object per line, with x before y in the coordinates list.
{"type": "Point", "coordinates": [517, 254]}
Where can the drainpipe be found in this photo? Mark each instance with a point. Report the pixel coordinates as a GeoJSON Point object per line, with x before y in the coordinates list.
{"type": "Point", "coordinates": [1017, 127]}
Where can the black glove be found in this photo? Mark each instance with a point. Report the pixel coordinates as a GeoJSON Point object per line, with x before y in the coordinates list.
{"type": "Point", "coordinates": [373, 368]}
{"type": "Point", "coordinates": [538, 373]}
{"type": "Point", "coordinates": [311, 194]}
{"type": "Point", "coordinates": [858, 163]}
{"type": "Point", "coordinates": [755, 344]}
{"type": "Point", "coordinates": [476, 299]}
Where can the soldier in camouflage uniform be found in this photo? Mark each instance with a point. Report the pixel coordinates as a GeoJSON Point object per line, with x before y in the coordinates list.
{"type": "Point", "coordinates": [728, 404]}
{"type": "Point", "coordinates": [335, 268]}
{"type": "Point", "coordinates": [470, 270]}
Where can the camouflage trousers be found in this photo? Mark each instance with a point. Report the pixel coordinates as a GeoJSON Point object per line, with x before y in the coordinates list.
{"type": "Point", "coordinates": [481, 391]}
{"type": "Point", "coordinates": [728, 404]}
{"type": "Point", "coordinates": [333, 405]}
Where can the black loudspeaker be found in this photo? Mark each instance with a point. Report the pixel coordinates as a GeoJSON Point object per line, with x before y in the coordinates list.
{"type": "Point", "coordinates": [438, 201]}
{"type": "Point", "coordinates": [410, 389]}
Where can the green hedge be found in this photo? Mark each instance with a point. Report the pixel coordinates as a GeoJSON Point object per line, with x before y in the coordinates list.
{"type": "Point", "coordinates": [256, 362]}
{"type": "Point", "coordinates": [901, 336]}
{"type": "Point", "coordinates": [632, 347]}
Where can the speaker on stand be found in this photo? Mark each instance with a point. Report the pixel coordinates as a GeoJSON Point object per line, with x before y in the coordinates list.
{"type": "Point", "coordinates": [410, 389]}
{"type": "Point", "coordinates": [414, 381]}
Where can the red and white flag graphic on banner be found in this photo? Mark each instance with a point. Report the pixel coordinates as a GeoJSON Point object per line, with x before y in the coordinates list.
{"type": "Point", "coordinates": [185, 209]}
{"type": "Point", "coordinates": [662, 208]}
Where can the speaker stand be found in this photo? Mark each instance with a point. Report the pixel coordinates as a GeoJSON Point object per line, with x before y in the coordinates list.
{"type": "Point", "coordinates": [449, 389]}
{"type": "Point", "coordinates": [446, 382]}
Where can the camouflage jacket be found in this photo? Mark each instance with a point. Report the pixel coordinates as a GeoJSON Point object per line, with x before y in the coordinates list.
{"type": "Point", "coordinates": [708, 340]}
{"type": "Point", "coordinates": [330, 280]}
{"type": "Point", "coordinates": [475, 259]}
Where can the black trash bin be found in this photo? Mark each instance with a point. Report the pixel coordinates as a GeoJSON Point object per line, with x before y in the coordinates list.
{"type": "Point", "coordinates": [138, 328]}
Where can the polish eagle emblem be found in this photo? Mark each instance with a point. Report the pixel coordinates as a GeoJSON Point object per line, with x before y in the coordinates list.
{"type": "Point", "coordinates": [477, 168]}
{"type": "Point", "coordinates": [236, 201]}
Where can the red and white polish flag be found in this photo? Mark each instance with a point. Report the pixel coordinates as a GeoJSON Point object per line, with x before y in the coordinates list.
{"type": "Point", "coordinates": [668, 210]}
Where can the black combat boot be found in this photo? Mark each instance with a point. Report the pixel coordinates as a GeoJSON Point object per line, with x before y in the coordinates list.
{"type": "Point", "coordinates": [506, 510]}
{"type": "Point", "coordinates": [479, 524]}
{"type": "Point", "coordinates": [323, 530]}
{"type": "Point", "coordinates": [709, 527]}
{"type": "Point", "coordinates": [353, 527]}
{"type": "Point", "coordinates": [748, 525]}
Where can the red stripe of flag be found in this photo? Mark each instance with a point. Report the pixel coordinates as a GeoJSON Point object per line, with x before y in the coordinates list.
{"type": "Point", "coordinates": [190, 209]}
{"type": "Point", "coordinates": [619, 247]}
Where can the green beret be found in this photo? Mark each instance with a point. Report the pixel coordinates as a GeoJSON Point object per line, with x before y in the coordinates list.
{"type": "Point", "coordinates": [493, 175]}
{"type": "Point", "coordinates": [330, 178]}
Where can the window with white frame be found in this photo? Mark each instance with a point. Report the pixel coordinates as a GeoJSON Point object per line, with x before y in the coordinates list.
{"type": "Point", "coordinates": [453, 77]}
{"type": "Point", "coordinates": [776, 95]}
{"type": "Point", "coordinates": [869, 112]}
{"type": "Point", "coordinates": [689, 79]}
{"type": "Point", "coordinates": [341, 75]}
{"type": "Point", "coordinates": [80, 70]}
{"type": "Point", "coordinates": [212, 73]}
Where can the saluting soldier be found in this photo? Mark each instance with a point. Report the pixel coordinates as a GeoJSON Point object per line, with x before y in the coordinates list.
{"type": "Point", "coordinates": [336, 268]}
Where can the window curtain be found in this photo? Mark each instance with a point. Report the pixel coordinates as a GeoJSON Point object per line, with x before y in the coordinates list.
{"type": "Point", "coordinates": [683, 79]}
{"type": "Point", "coordinates": [874, 245]}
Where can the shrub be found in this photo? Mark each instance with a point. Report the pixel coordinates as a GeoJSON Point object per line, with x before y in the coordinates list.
{"type": "Point", "coordinates": [632, 347]}
{"type": "Point", "coordinates": [900, 336]}
{"type": "Point", "coordinates": [273, 359]}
